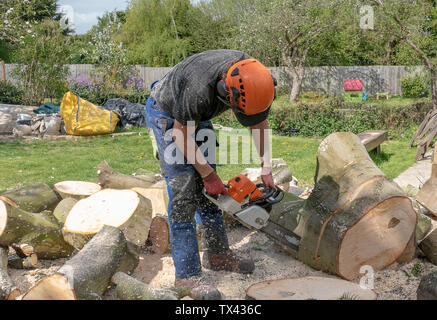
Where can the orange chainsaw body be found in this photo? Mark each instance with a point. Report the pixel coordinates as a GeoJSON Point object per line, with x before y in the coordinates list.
{"type": "Point", "coordinates": [240, 187]}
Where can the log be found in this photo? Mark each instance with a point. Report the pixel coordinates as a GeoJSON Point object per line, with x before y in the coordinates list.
{"type": "Point", "coordinates": [131, 258]}
{"type": "Point", "coordinates": [16, 262]}
{"type": "Point", "coordinates": [424, 226]}
{"type": "Point", "coordinates": [23, 250]}
{"type": "Point", "coordinates": [355, 215]}
{"type": "Point", "coordinates": [88, 274]}
{"type": "Point", "coordinates": [39, 230]}
{"type": "Point", "coordinates": [158, 240]}
{"type": "Point", "coordinates": [308, 288]}
{"type": "Point", "coordinates": [410, 251]}
{"type": "Point", "coordinates": [49, 245]}
{"type": "Point", "coordinates": [109, 178]}
{"type": "Point", "coordinates": [129, 288]}
{"type": "Point", "coordinates": [76, 189]}
{"type": "Point", "coordinates": [123, 209]}
{"type": "Point", "coordinates": [34, 197]}
{"type": "Point", "coordinates": [429, 246]}
{"type": "Point", "coordinates": [63, 209]}
{"type": "Point", "coordinates": [16, 223]}
{"type": "Point", "coordinates": [427, 289]}
{"type": "Point", "coordinates": [8, 291]}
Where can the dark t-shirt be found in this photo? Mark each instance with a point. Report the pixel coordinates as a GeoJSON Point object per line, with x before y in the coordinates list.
{"type": "Point", "coordinates": [189, 91]}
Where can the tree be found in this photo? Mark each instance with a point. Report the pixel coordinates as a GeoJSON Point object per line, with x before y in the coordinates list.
{"type": "Point", "coordinates": [17, 17]}
{"type": "Point", "coordinates": [411, 23]}
{"type": "Point", "coordinates": [288, 29]}
{"type": "Point", "coordinates": [41, 70]}
{"type": "Point", "coordinates": [158, 32]}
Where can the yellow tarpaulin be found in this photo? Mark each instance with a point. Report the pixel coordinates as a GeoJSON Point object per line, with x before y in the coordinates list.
{"type": "Point", "coordinates": [82, 118]}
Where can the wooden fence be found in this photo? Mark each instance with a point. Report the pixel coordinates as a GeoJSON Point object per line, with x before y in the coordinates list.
{"type": "Point", "coordinates": [326, 79]}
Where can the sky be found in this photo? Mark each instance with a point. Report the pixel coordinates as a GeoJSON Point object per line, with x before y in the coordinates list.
{"type": "Point", "coordinates": [84, 13]}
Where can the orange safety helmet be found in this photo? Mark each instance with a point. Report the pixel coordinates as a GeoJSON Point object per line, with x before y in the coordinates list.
{"type": "Point", "coordinates": [249, 86]}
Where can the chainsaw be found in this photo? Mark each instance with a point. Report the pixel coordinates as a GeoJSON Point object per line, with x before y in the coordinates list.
{"type": "Point", "coordinates": [250, 204]}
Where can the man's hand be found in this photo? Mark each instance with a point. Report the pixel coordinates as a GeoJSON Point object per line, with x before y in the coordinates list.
{"type": "Point", "coordinates": [213, 184]}
{"type": "Point", "coordinates": [267, 178]}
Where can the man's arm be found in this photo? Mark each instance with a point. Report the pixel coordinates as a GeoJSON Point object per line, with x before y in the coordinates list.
{"type": "Point", "coordinates": [261, 138]}
{"type": "Point", "coordinates": [183, 138]}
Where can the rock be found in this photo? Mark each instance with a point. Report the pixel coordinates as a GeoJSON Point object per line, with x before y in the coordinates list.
{"type": "Point", "coordinates": [429, 246]}
{"type": "Point", "coordinates": [423, 227]}
{"type": "Point", "coordinates": [427, 289]}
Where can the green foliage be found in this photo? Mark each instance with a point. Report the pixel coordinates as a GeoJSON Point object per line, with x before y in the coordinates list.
{"type": "Point", "coordinates": [9, 93]}
{"type": "Point", "coordinates": [159, 33]}
{"type": "Point", "coordinates": [416, 86]}
{"type": "Point", "coordinates": [41, 70]}
{"type": "Point", "coordinates": [320, 119]}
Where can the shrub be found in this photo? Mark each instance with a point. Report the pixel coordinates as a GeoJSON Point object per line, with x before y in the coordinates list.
{"type": "Point", "coordinates": [10, 94]}
{"type": "Point", "coordinates": [416, 86]}
{"type": "Point", "coordinates": [41, 72]}
{"type": "Point", "coordinates": [334, 114]}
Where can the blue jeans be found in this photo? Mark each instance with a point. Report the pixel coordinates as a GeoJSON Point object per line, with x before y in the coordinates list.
{"type": "Point", "coordinates": [186, 201]}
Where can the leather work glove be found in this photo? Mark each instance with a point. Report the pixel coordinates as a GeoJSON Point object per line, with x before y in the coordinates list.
{"type": "Point", "coordinates": [267, 178]}
{"type": "Point", "coordinates": [213, 184]}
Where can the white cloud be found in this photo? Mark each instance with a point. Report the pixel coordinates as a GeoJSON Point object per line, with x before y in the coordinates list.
{"type": "Point", "coordinates": [86, 12]}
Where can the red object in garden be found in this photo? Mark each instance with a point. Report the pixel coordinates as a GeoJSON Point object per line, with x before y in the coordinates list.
{"type": "Point", "coordinates": [353, 85]}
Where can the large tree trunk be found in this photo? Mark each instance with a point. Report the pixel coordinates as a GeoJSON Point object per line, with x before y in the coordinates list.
{"type": "Point", "coordinates": [109, 178]}
{"type": "Point", "coordinates": [123, 209]}
{"type": "Point", "coordinates": [8, 291]}
{"type": "Point", "coordinates": [297, 78]}
{"type": "Point", "coordinates": [88, 274]}
{"type": "Point", "coordinates": [355, 215]}
{"type": "Point", "coordinates": [35, 197]}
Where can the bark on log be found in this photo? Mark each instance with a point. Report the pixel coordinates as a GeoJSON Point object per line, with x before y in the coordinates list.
{"type": "Point", "coordinates": [123, 209]}
{"type": "Point", "coordinates": [429, 246]}
{"type": "Point", "coordinates": [427, 289]}
{"type": "Point", "coordinates": [35, 197]}
{"type": "Point", "coordinates": [158, 240]}
{"type": "Point", "coordinates": [129, 288]}
{"type": "Point", "coordinates": [39, 230]}
{"type": "Point", "coordinates": [8, 291]}
{"type": "Point", "coordinates": [76, 189]}
{"type": "Point", "coordinates": [16, 262]}
{"type": "Point", "coordinates": [63, 209]}
{"type": "Point", "coordinates": [131, 259]}
{"type": "Point", "coordinates": [109, 178]}
{"type": "Point", "coordinates": [308, 288]}
{"type": "Point", "coordinates": [88, 274]}
{"type": "Point", "coordinates": [355, 215]}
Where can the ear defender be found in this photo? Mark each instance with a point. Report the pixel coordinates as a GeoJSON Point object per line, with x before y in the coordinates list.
{"type": "Point", "coordinates": [222, 89]}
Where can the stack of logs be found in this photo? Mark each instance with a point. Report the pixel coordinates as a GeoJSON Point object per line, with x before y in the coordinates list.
{"type": "Point", "coordinates": [102, 226]}
{"type": "Point", "coordinates": [354, 216]}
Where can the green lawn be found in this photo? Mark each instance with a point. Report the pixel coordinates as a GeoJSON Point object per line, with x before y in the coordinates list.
{"type": "Point", "coordinates": [51, 162]}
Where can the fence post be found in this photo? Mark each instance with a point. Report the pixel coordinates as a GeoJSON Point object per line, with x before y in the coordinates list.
{"type": "Point", "coordinates": [3, 72]}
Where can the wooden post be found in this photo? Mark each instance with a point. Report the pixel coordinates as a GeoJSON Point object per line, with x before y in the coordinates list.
{"type": "Point", "coordinates": [3, 71]}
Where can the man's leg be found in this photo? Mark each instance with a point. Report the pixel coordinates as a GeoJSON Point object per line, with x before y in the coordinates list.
{"type": "Point", "coordinates": [181, 186]}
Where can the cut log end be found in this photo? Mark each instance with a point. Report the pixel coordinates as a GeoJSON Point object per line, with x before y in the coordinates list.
{"type": "Point", "coordinates": [309, 288]}
{"type": "Point", "coordinates": [124, 209]}
{"type": "Point", "coordinates": [76, 189]}
{"type": "Point", "coordinates": [53, 287]}
{"type": "Point", "coordinates": [14, 294]}
{"type": "Point", "coordinates": [362, 243]}
{"type": "Point", "coordinates": [159, 235]}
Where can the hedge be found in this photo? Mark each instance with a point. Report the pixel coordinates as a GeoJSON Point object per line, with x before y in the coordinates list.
{"type": "Point", "coordinates": [334, 114]}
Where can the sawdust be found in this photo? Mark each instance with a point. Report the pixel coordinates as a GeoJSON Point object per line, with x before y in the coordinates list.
{"type": "Point", "coordinates": [397, 282]}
